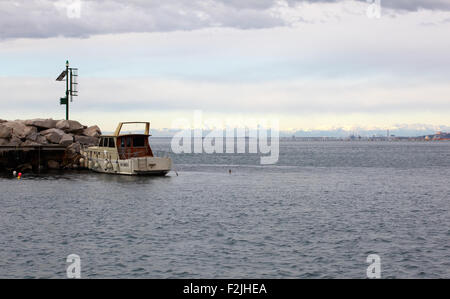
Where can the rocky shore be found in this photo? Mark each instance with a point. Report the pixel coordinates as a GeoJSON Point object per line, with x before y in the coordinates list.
{"type": "Point", "coordinates": [70, 134]}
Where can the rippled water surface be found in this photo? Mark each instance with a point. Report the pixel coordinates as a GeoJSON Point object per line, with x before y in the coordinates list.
{"type": "Point", "coordinates": [318, 213]}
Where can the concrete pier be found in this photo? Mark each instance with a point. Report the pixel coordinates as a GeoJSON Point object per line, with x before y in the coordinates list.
{"type": "Point", "coordinates": [34, 158]}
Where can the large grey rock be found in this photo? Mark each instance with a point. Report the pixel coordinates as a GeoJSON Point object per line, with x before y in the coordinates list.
{"type": "Point", "coordinates": [73, 153]}
{"type": "Point", "coordinates": [14, 141]}
{"type": "Point", "coordinates": [86, 140]}
{"type": "Point", "coordinates": [66, 140]}
{"type": "Point", "coordinates": [38, 138]}
{"type": "Point", "coordinates": [93, 131]}
{"type": "Point", "coordinates": [53, 135]}
{"type": "Point", "coordinates": [19, 129]}
{"type": "Point", "coordinates": [74, 148]}
{"type": "Point", "coordinates": [69, 126]}
{"type": "Point", "coordinates": [53, 138]}
{"type": "Point", "coordinates": [41, 123]}
{"type": "Point", "coordinates": [5, 132]}
{"type": "Point", "coordinates": [29, 130]}
{"type": "Point", "coordinates": [58, 131]}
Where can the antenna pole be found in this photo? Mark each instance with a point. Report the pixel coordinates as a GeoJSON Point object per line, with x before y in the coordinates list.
{"type": "Point", "coordinates": [67, 90]}
{"type": "Point", "coordinates": [70, 74]}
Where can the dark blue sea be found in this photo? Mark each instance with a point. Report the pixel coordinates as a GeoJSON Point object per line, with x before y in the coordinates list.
{"type": "Point", "coordinates": [318, 213]}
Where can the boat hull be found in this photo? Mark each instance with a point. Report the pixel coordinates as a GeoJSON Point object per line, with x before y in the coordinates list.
{"type": "Point", "coordinates": [150, 166]}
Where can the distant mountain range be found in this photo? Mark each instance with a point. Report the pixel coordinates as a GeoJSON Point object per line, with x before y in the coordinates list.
{"type": "Point", "coordinates": [398, 131]}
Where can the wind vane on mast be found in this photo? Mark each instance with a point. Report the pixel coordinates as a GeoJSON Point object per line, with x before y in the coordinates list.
{"type": "Point", "coordinates": [71, 78]}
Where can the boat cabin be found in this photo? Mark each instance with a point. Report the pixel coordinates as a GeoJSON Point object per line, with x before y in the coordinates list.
{"type": "Point", "coordinates": [128, 145]}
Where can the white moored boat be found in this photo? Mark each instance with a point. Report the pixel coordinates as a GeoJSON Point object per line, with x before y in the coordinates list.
{"type": "Point", "coordinates": [128, 154]}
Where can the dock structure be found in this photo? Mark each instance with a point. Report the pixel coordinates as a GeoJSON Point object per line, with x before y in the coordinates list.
{"type": "Point", "coordinates": [31, 157]}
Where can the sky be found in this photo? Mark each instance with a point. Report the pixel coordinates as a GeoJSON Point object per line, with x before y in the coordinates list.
{"type": "Point", "coordinates": [312, 65]}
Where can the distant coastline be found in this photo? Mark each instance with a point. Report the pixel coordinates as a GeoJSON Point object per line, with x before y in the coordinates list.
{"type": "Point", "coordinates": [438, 136]}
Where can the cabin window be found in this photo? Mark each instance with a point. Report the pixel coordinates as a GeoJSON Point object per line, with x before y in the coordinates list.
{"type": "Point", "coordinates": [128, 141]}
{"type": "Point", "coordinates": [122, 142]}
{"type": "Point", "coordinates": [105, 142]}
{"type": "Point", "coordinates": [111, 142]}
{"type": "Point", "coordinates": [139, 141]}
{"type": "Point", "coordinates": [100, 143]}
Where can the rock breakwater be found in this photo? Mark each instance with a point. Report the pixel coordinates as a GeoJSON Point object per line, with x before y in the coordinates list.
{"type": "Point", "coordinates": [24, 135]}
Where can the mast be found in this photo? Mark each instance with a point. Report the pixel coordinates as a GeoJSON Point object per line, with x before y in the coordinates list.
{"type": "Point", "coordinates": [70, 74]}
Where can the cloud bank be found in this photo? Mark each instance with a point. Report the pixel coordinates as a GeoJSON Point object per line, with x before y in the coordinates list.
{"type": "Point", "coordinates": [83, 18]}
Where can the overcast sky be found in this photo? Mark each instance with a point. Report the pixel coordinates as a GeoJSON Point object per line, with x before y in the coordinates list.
{"type": "Point", "coordinates": [310, 64]}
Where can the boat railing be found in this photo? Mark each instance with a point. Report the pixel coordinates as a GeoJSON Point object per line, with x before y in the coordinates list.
{"type": "Point", "coordinates": [124, 154]}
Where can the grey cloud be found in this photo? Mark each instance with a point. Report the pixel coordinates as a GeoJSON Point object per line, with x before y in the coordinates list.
{"type": "Point", "coordinates": [48, 18]}
{"type": "Point", "coordinates": [409, 5]}
{"type": "Point", "coordinates": [413, 5]}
